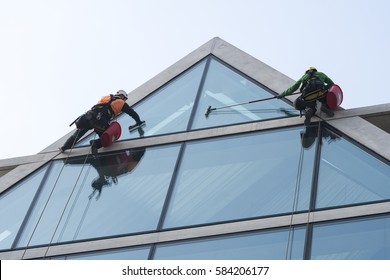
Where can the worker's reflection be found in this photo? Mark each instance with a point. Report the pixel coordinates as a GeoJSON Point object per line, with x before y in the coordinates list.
{"type": "Point", "coordinates": [310, 134]}
{"type": "Point", "coordinates": [110, 167]}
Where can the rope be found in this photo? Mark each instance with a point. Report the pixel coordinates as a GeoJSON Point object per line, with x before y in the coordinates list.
{"type": "Point", "coordinates": [67, 202]}
{"type": "Point", "coordinates": [51, 193]}
{"type": "Point", "coordinates": [295, 204]}
{"type": "Point", "coordinates": [296, 194]}
{"type": "Point", "coordinates": [318, 149]}
{"type": "Point", "coordinates": [74, 202]}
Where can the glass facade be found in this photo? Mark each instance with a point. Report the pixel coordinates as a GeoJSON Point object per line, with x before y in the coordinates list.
{"type": "Point", "coordinates": [349, 175]}
{"type": "Point", "coordinates": [120, 254]}
{"type": "Point", "coordinates": [201, 182]}
{"type": "Point", "coordinates": [264, 245]}
{"type": "Point", "coordinates": [17, 201]}
{"type": "Point", "coordinates": [216, 181]}
{"type": "Point", "coordinates": [241, 177]}
{"type": "Point", "coordinates": [225, 87]}
{"type": "Point", "coordinates": [358, 239]}
{"type": "Point", "coordinates": [110, 195]}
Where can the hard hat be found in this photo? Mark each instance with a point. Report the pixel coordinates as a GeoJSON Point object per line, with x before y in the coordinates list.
{"type": "Point", "coordinates": [122, 92]}
{"type": "Point", "coordinates": [311, 69]}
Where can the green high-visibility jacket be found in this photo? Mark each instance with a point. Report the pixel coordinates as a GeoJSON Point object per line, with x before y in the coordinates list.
{"type": "Point", "coordinates": [322, 76]}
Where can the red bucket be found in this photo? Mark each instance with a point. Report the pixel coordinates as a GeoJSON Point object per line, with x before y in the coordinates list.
{"type": "Point", "coordinates": [115, 164]}
{"type": "Point", "coordinates": [112, 133]}
{"type": "Point", "coordinates": [334, 97]}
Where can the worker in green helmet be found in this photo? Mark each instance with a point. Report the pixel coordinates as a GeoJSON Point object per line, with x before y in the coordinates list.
{"type": "Point", "coordinates": [313, 86]}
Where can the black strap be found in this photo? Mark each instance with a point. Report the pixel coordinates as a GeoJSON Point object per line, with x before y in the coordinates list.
{"type": "Point", "coordinates": [105, 106]}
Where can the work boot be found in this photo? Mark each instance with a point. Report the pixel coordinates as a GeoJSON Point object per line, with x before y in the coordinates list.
{"type": "Point", "coordinates": [326, 110]}
{"type": "Point", "coordinates": [308, 115]}
{"type": "Point", "coordinates": [68, 144]}
{"type": "Point", "coordinates": [94, 147]}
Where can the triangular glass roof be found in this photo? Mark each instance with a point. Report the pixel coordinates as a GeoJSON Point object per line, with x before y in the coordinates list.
{"type": "Point", "coordinates": [224, 86]}
{"type": "Point", "coordinates": [180, 105]}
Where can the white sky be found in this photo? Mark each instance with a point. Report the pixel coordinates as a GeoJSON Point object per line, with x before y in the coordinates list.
{"type": "Point", "coordinates": [58, 57]}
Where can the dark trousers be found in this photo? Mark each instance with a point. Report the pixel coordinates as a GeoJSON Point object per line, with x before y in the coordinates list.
{"type": "Point", "coordinates": [303, 105]}
{"type": "Point", "coordinates": [84, 124]}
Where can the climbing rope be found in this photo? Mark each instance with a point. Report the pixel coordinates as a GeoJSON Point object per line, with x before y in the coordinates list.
{"type": "Point", "coordinates": [296, 195]}
{"type": "Point", "coordinates": [75, 200]}
{"type": "Point", "coordinates": [67, 202]}
{"type": "Point", "coordinates": [294, 204]}
{"type": "Point", "coordinates": [317, 151]}
{"type": "Point", "coordinates": [48, 199]}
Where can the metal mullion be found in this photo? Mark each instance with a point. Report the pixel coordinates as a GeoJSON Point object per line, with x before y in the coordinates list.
{"type": "Point", "coordinates": [168, 197]}
{"type": "Point", "coordinates": [199, 93]}
{"type": "Point", "coordinates": [313, 195]}
{"type": "Point", "coordinates": [32, 205]}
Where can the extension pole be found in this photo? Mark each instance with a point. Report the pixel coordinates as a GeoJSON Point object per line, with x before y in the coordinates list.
{"type": "Point", "coordinates": [209, 109]}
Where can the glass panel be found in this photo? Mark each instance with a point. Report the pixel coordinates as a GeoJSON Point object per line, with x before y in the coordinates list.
{"type": "Point", "coordinates": [241, 177]}
{"type": "Point", "coordinates": [363, 239]}
{"type": "Point", "coordinates": [265, 245]}
{"type": "Point", "coordinates": [122, 254]}
{"type": "Point", "coordinates": [113, 194]}
{"type": "Point", "coordinates": [17, 201]}
{"type": "Point", "coordinates": [225, 87]}
{"type": "Point", "coordinates": [349, 175]}
{"type": "Point", "coordinates": [167, 110]}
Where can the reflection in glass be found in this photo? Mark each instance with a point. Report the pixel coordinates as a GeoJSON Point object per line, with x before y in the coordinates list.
{"type": "Point", "coordinates": [241, 177]}
{"type": "Point", "coordinates": [264, 245]}
{"type": "Point", "coordinates": [225, 87]}
{"type": "Point", "coordinates": [349, 175]}
{"type": "Point", "coordinates": [14, 205]}
{"type": "Point", "coordinates": [362, 239]}
{"type": "Point", "coordinates": [167, 110]}
{"type": "Point", "coordinates": [113, 194]}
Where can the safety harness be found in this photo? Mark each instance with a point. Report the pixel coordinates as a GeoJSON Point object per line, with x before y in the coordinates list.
{"type": "Point", "coordinates": [96, 112]}
{"type": "Point", "coordinates": [312, 88]}
{"type": "Point", "coordinates": [105, 108]}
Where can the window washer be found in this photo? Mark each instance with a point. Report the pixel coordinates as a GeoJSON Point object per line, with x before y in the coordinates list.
{"type": "Point", "coordinates": [98, 118]}
{"type": "Point", "coordinates": [314, 87]}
